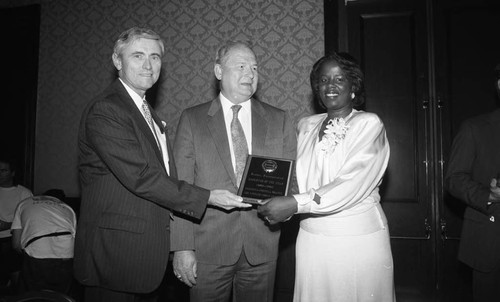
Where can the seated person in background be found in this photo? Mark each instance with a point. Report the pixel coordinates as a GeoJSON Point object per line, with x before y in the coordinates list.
{"type": "Point", "coordinates": [43, 229]}
{"type": "Point", "coordinates": [10, 196]}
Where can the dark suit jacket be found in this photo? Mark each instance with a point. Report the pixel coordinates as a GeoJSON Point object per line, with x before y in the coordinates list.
{"type": "Point", "coordinates": [474, 161]}
{"type": "Point", "coordinates": [122, 239]}
{"type": "Point", "coordinates": [203, 158]}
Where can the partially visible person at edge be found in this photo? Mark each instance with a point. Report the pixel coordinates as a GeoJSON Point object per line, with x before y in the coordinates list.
{"type": "Point", "coordinates": [129, 183]}
{"type": "Point", "coordinates": [343, 250]}
{"type": "Point", "coordinates": [473, 176]}
{"type": "Point", "coordinates": [10, 196]}
{"type": "Point", "coordinates": [229, 255]}
{"type": "Point", "coordinates": [43, 230]}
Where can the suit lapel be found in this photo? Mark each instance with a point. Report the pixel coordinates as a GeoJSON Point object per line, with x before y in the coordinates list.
{"type": "Point", "coordinates": [492, 136]}
{"type": "Point", "coordinates": [495, 117]}
{"type": "Point", "coordinates": [259, 128]}
{"type": "Point", "coordinates": [217, 128]}
{"type": "Point", "coordinates": [140, 120]}
{"type": "Point", "coordinates": [164, 131]}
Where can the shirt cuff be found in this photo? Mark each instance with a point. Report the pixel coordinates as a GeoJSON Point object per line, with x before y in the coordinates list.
{"type": "Point", "coordinates": [304, 201]}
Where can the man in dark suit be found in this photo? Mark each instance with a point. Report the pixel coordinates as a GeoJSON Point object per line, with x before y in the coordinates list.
{"type": "Point", "coordinates": [473, 177]}
{"type": "Point", "coordinates": [128, 182]}
{"type": "Point", "coordinates": [228, 251]}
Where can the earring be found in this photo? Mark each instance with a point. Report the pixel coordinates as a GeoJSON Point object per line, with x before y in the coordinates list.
{"type": "Point", "coordinates": [352, 95]}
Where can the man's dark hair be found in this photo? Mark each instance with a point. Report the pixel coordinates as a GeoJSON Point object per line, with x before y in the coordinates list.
{"type": "Point", "coordinates": [10, 160]}
{"type": "Point", "coordinates": [57, 193]}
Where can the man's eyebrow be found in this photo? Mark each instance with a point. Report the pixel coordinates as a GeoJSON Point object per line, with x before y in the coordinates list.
{"type": "Point", "coordinates": [137, 52]}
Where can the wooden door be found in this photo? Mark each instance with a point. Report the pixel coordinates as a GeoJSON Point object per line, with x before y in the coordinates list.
{"type": "Point", "coordinates": [19, 87]}
{"type": "Point", "coordinates": [390, 40]}
{"type": "Point", "coordinates": [467, 51]}
{"type": "Point", "coordinates": [428, 65]}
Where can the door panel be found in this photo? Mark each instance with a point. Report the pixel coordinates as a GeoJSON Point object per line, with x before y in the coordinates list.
{"type": "Point", "coordinates": [467, 51]}
{"type": "Point", "coordinates": [19, 87]}
{"type": "Point", "coordinates": [429, 65]}
{"type": "Point", "coordinates": [389, 39]}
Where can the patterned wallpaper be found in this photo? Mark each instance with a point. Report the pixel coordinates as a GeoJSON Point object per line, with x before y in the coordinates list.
{"type": "Point", "coordinates": [76, 40]}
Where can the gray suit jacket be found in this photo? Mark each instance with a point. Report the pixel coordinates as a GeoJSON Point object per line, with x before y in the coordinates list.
{"type": "Point", "coordinates": [203, 158]}
{"type": "Point", "coordinates": [474, 161]}
{"type": "Point", "coordinates": [122, 239]}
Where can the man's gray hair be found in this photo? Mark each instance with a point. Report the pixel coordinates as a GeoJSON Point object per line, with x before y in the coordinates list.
{"type": "Point", "coordinates": [134, 33]}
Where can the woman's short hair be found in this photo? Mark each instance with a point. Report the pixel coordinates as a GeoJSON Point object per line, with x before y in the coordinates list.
{"type": "Point", "coordinates": [134, 33]}
{"type": "Point", "coordinates": [352, 70]}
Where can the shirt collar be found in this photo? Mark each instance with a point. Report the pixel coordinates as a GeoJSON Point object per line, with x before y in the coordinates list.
{"type": "Point", "coordinates": [135, 97]}
{"type": "Point", "coordinates": [227, 104]}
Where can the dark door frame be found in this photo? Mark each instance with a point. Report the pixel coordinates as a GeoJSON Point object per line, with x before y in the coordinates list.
{"type": "Point", "coordinates": [20, 87]}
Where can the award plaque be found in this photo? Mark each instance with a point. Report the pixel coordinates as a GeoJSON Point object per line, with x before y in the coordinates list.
{"type": "Point", "coordinates": [265, 177]}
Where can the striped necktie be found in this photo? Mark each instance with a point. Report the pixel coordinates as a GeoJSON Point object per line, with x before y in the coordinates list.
{"type": "Point", "coordinates": [149, 119]}
{"type": "Point", "coordinates": [240, 146]}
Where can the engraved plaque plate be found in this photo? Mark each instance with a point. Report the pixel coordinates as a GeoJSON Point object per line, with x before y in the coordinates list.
{"type": "Point", "coordinates": [265, 177]}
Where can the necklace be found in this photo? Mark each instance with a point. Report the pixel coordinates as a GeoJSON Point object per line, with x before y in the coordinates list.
{"type": "Point", "coordinates": [335, 131]}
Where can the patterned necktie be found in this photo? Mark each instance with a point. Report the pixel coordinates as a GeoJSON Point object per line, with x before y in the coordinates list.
{"type": "Point", "coordinates": [149, 119]}
{"type": "Point", "coordinates": [240, 146]}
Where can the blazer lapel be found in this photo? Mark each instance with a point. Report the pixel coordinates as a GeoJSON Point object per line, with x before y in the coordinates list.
{"type": "Point", "coordinates": [164, 131]}
{"type": "Point", "coordinates": [493, 129]}
{"type": "Point", "coordinates": [217, 127]}
{"type": "Point", "coordinates": [259, 128]}
{"type": "Point", "coordinates": [139, 118]}
{"type": "Point", "coordinates": [495, 117]}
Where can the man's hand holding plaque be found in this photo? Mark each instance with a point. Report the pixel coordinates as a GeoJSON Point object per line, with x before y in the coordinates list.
{"type": "Point", "coordinates": [278, 209]}
{"type": "Point", "coordinates": [264, 178]}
